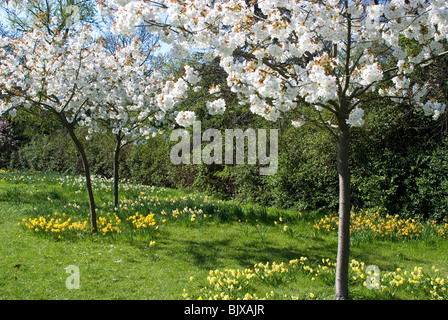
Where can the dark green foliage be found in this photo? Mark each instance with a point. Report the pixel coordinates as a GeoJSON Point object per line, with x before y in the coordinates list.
{"type": "Point", "coordinates": [52, 152]}
{"type": "Point", "coordinates": [307, 175]}
{"type": "Point", "coordinates": [150, 164]}
{"type": "Point", "coordinates": [399, 164]}
{"type": "Point", "coordinates": [8, 142]}
{"type": "Point", "coordinates": [55, 152]}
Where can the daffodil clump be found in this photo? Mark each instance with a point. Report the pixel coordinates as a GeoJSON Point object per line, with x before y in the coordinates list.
{"type": "Point", "coordinates": [239, 284]}
{"type": "Point", "coordinates": [430, 283]}
{"type": "Point", "coordinates": [140, 221]}
{"type": "Point", "coordinates": [55, 224]}
{"type": "Point", "coordinates": [142, 214]}
{"type": "Point", "coordinates": [389, 226]}
{"type": "Point", "coordinates": [16, 177]}
{"type": "Point", "coordinates": [187, 214]}
{"type": "Point", "coordinates": [108, 225]}
{"type": "Point", "coordinates": [60, 224]}
{"type": "Point", "coordinates": [188, 208]}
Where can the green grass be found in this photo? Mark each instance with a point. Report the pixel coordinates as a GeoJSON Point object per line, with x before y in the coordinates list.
{"type": "Point", "coordinates": [129, 266]}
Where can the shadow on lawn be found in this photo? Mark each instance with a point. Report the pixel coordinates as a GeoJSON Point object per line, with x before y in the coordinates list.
{"type": "Point", "coordinates": [233, 253]}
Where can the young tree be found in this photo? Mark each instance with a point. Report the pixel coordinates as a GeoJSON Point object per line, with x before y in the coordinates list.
{"type": "Point", "coordinates": [321, 61]}
{"type": "Point", "coordinates": [67, 74]}
{"type": "Point", "coordinates": [129, 101]}
{"type": "Point", "coordinates": [53, 73]}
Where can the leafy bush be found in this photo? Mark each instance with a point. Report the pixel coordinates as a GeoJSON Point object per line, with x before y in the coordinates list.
{"type": "Point", "coordinates": [307, 175]}
{"type": "Point", "coordinates": [52, 153]}
{"type": "Point", "coordinates": [399, 164]}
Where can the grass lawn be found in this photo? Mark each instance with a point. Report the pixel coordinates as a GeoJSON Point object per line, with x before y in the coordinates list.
{"type": "Point", "coordinates": [172, 244]}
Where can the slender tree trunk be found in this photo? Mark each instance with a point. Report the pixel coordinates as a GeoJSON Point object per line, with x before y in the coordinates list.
{"type": "Point", "coordinates": [86, 166]}
{"type": "Point", "coordinates": [342, 261]}
{"type": "Point", "coordinates": [116, 170]}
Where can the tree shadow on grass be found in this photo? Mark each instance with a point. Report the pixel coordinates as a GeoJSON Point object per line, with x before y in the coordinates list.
{"type": "Point", "coordinates": [231, 253]}
{"type": "Point", "coordinates": [384, 256]}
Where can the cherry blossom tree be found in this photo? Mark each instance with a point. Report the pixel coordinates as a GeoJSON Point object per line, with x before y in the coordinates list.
{"type": "Point", "coordinates": [122, 93]}
{"type": "Point", "coordinates": [53, 73]}
{"type": "Point", "coordinates": [78, 81]}
{"type": "Point", "coordinates": [132, 100]}
{"type": "Point", "coordinates": [316, 61]}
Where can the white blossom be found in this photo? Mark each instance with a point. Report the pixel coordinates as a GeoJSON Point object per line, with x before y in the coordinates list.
{"type": "Point", "coordinates": [216, 107]}
{"type": "Point", "coordinates": [433, 108]}
{"type": "Point", "coordinates": [298, 123]}
{"type": "Point", "coordinates": [281, 57]}
{"type": "Point", "coordinates": [371, 73]}
{"type": "Point", "coordinates": [185, 118]}
{"type": "Point", "coordinates": [191, 75]}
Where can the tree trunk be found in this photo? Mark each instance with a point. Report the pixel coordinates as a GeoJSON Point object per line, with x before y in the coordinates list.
{"type": "Point", "coordinates": [116, 171]}
{"type": "Point", "coordinates": [342, 261]}
{"type": "Point", "coordinates": [86, 166]}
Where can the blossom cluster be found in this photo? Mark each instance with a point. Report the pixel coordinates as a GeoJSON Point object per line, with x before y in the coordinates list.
{"type": "Point", "coordinates": [355, 118]}
{"type": "Point", "coordinates": [185, 118]}
{"type": "Point", "coordinates": [216, 107]}
{"type": "Point", "coordinates": [15, 4]}
{"type": "Point", "coordinates": [73, 75]}
{"type": "Point", "coordinates": [276, 54]}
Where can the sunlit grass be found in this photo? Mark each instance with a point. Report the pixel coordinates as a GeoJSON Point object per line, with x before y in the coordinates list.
{"type": "Point", "coordinates": [162, 244]}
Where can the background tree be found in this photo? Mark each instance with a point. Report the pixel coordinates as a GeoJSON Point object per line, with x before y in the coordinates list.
{"type": "Point", "coordinates": [7, 142]}
{"type": "Point", "coordinates": [128, 102]}
{"type": "Point", "coordinates": [121, 112]}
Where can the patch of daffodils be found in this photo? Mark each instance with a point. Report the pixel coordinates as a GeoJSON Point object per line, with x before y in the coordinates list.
{"type": "Point", "coordinates": [240, 284]}
{"type": "Point", "coordinates": [386, 227]}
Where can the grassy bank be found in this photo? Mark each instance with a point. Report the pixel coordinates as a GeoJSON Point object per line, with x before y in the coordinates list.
{"type": "Point", "coordinates": [174, 244]}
